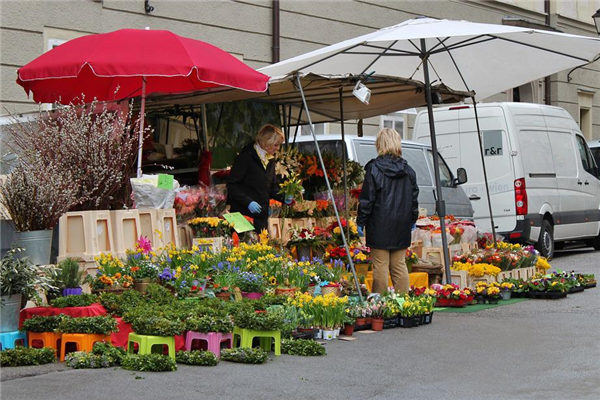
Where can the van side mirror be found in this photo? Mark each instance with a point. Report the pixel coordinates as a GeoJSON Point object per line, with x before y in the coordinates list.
{"type": "Point", "coordinates": [461, 176]}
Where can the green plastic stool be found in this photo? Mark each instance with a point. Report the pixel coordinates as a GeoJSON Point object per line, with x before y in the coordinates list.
{"type": "Point", "coordinates": [246, 337]}
{"type": "Point", "coordinates": [145, 343]}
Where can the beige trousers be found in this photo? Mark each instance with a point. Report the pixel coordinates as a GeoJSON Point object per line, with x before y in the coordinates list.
{"type": "Point", "coordinates": [386, 262]}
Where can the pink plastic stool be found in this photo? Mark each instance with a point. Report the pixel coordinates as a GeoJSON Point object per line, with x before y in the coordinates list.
{"type": "Point", "coordinates": [213, 340]}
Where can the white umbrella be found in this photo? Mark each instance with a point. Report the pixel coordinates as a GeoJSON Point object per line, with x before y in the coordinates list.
{"type": "Point", "coordinates": [464, 56]}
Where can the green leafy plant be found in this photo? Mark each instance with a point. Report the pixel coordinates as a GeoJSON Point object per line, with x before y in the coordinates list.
{"type": "Point", "coordinates": [154, 325]}
{"type": "Point", "coordinates": [119, 304]}
{"type": "Point", "coordinates": [103, 355]}
{"type": "Point", "coordinates": [209, 323]}
{"type": "Point", "coordinates": [42, 323]}
{"type": "Point", "coordinates": [197, 357]}
{"type": "Point", "coordinates": [244, 355]}
{"type": "Point", "coordinates": [69, 273]}
{"type": "Point", "coordinates": [159, 294]}
{"type": "Point", "coordinates": [19, 276]}
{"type": "Point", "coordinates": [302, 347]}
{"type": "Point", "coordinates": [78, 300]}
{"type": "Point", "coordinates": [26, 356]}
{"type": "Point", "coordinates": [102, 324]}
{"type": "Point", "coordinates": [148, 362]}
{"type": "Point", "coordinates": [259, 320]}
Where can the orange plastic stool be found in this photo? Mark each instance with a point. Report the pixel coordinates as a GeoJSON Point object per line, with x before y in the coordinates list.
{"type": "Point", "coordinates": [84, 341]}
{"type": "Point", "coordinates": [48, 339]}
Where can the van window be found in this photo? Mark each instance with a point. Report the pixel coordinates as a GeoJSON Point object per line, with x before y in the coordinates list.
{"type": "Point", "coordinates": [535, 149]}
{"type": "Point", "coordinates": [327, 146]}
{"type": "Point", "coordinates": [365, 151]}
{"type": "Point", "coordinates": [445, 174]}
{"type": "Point", "coordinates": [416, 159]}
{"type": "Point", "coordinates": [596, 154]}
{"type": "Point", "coordinates": [584, 154]}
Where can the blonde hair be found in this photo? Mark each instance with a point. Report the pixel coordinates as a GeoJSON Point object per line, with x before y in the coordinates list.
{"type": "Point", "coordinates": [389, 142]}
{"type": "Point", "coordinates": [269, 135]}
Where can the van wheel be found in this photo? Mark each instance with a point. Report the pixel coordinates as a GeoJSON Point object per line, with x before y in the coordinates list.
{"type": "Point", "coordinates": [545, 244]}
{"type": "Point", "coordinates": [595, 242]}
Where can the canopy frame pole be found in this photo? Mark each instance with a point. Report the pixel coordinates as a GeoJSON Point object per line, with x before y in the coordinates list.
{"type": "Point", "coordinates": [344, 166]}
{"type": "Point", "coordinates": [337, 215]}
{"type": "Point", "coordinates": [141, 133]}
{"type": "Point", "coordinates": [440, 204]}
{"type": "Point", "coordinates": [485, 178]}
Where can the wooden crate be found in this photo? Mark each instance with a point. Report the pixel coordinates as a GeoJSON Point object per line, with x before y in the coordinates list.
{"type": "Point", "coordinates": [460, 278]}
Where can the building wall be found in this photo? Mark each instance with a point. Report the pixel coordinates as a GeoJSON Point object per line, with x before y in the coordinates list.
{"type": "Point", "coordinates": [244, 28]}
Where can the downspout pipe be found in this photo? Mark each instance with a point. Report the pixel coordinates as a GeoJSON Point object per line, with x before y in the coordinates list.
{"type": "Point", "coordinates": [276, 32]}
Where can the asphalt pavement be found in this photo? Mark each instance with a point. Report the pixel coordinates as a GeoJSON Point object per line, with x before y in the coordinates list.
{"type": "Point", "coordinates": [536, 349]}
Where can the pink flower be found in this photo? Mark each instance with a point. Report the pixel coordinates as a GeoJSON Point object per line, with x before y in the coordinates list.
{"type": "Point", "coordinates": [144, 244]}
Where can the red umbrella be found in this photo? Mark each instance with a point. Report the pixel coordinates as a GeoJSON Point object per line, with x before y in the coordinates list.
{"type": "Point", "coordinates": [133, 62]}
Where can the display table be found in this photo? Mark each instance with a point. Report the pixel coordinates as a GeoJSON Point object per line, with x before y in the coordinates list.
{"type": "Point", "coordinates": [118, 338]}
{"type": "Point", "coordinates": [89, 311]}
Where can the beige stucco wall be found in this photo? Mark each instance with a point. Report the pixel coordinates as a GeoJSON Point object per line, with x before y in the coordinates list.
{"type": "Point", "coordinates": [244, 29]}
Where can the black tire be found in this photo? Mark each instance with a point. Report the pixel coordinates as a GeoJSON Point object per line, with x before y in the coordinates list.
{"type": "Point", "coordinates": [545, 244]}
{"type": "Point", "coordinates": [595, 242]}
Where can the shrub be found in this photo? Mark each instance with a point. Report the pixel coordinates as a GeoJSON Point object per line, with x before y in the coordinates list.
{"type": "Point", "coordinates": [209, 323]}
{"type": "Point", "coordinates": [42, 324]}
{"type": "Point", "coordinates": [259, 321]}
{"type": "Point", "coordinates": [244, 355]}
{"type": "Point", "coordinates": [19, 276]}
{"type": "Point", "coordinates": [159, 294]}
{"type": "Point", "coordinates": [302, 347]}
{"type": "Point", "coordinates": [197, 357]}
{"type": "Point", "coordinates": [148, 362]}
{"type": "Point", "coordinates": [155, 325]}
{"type": "Point", "coordinates": [101, 325]}
{"type": "Point", "coordinates": [119, 304]}
{"type": "Point", "coordinates": [103, 355]}
{"type": "Point", "coordinates": [78, 300]}
{"type": "Point", "coordinates": [26, 356]}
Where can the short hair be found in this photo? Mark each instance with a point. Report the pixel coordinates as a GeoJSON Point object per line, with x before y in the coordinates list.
{"type": "Point", "coordinates": [389, 142]}
{"type": "Point", "coordinates": [269, 135]}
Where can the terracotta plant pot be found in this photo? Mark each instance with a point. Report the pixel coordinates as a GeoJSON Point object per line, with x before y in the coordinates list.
{"type": "Point", "coordinates": [361, 321]}
{"type": "Point", "coordinates": [224, 296]}
{"type": "Point", "coordinates": [348, 330]}
{"type": "Point", "coordinates": [377, 324]}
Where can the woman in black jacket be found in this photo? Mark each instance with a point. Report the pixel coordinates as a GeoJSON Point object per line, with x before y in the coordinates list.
{"type": "Point", "coordinates": [252, 182]}
{"type": "Point", "coordinates": [388, 209]}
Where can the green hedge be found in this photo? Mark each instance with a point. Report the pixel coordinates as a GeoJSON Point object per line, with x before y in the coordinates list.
{"type": "Point", "coordinates": [26, 356]}
{"type": "Point", "coordinates": [101, 325]}
{"type": "Point", "coordinates": [197, 357]}
{"type": "Point", "coordinates": [244, 355]}
{"type": "Point", "coordinates": [302, 347]}
{"type": "Point", "coordinates": [148, 362]}
{"type": "Point", "coordinates": [42, 323]}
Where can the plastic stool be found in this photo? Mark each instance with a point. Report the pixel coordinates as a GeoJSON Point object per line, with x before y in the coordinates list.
{"type": "Point", "coordinates": [8, 340]}
{"type": "Point", "coordinates": [48, 339]}
{"type": "Point", "coordinates": [145, 343]}
{"type": "Point", "coordinates": [247, 335]}
{"type": "Point", "coordinates": [83, 341]}
{"type": "Point", "coordinates": [213, 340]}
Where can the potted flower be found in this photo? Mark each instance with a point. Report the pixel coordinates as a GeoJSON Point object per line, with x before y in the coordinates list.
{"type": "Point", "coordinates": [70, 277]}
{"type": "Point", "coordinates": [378, 307]}
{"type": "Point", "coordinates": [252, 285]}
{"type": "Point", "coordinates": [492, 294]}
{"type": "Point", "coordinates": [18, 280]}
{"type": "Point", "coordinates": [112, 275]}
{"type": "Point", "coordinates": [506, 290]}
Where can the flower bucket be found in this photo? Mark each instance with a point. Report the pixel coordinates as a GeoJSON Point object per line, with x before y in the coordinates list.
{"type": "Point", "coordinates": [252, 295]}
{"type": "Point", "coordinates": [37, 245]}
{"type": "Point", "coordinates": [303, 252]}
{"type": "Point", "coordinates": [318, 333]}
{"type": "Point", "coordinates": [141, 285]}
{"type": "Point", "coordinates": [9, 313]}
{"type": "Point", "coordinates": [505, 294]}
{"type": "Point", "coordinates": [224, 296]}
{"type": "Point", "coordinates": [328, 334]}
{"type": "Point", "coordinates": [336, 333]}
{"type": "Point", "coordinates": [72, 291]}
{"type": "Point", "coordinates": [377, 324]}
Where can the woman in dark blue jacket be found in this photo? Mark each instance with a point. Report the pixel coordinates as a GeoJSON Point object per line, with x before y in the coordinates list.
{"type": "Point", "coordinates": [388, 209]}
{"type": "Point", "coordinates": [252, 179]}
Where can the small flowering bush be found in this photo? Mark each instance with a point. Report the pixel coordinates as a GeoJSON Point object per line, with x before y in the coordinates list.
{"type": "Point", "coordinates": [205, 227]}
{"type": "Point", "coordinates": [111, 273]}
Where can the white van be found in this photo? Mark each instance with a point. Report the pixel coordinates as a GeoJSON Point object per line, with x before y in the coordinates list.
{"type": "Point", "coordinates": [418, 156]}
{"type": "Point", "coordinates": [542, 178]}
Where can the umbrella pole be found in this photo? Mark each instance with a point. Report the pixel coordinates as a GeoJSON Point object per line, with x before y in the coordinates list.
{"type": "Point", "coordinates": [344, 156]}
{"type": "Point", "coordinates": [440, 204]}
{"type": "Point", "coordinates": [141, 137]}
{"type": "Point", "coordinates": [337, 215]}
{"type": "Point", "coordinates": [485, 178]}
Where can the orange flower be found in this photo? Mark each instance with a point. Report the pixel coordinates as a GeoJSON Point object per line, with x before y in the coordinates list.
{"type": "Point", "coordinates": [274, 203]}
{"type": "Point", "coordinates": [133, 269]}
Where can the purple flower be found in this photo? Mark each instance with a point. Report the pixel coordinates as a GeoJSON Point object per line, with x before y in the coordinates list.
{"type": "Point", "coordinates": [166, 274]}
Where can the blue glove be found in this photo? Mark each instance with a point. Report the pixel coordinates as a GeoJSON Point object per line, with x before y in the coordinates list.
{"type": "Point", "coordinates": [254, 208]}
{"type": "Point", "coordinates": [288, 199]}
{"type": "Point", "coordinates": [361, 233]}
